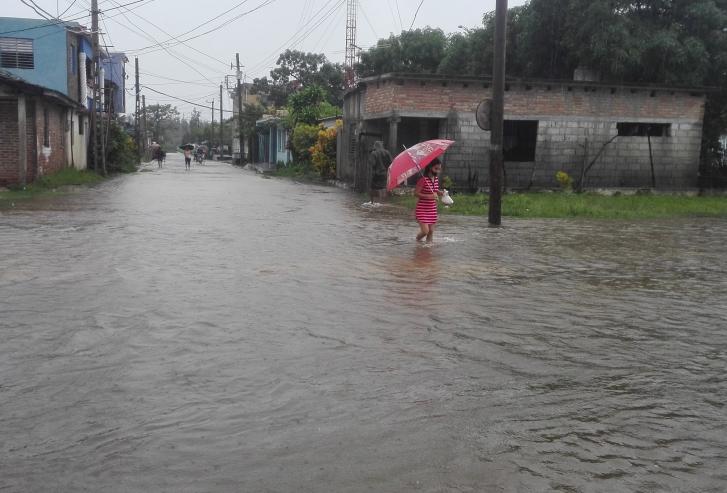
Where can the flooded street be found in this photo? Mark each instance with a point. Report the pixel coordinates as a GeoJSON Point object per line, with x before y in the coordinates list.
{"type": "Point", "coordinates": [213, 330]}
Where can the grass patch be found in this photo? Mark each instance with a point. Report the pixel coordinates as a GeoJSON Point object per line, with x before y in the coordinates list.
{"type": "Point", "coordinates": [50, 184]}
{"type": "Point", "coordinates": [303, 173]}
{"type": "Point", "coordinates": [594, 206]}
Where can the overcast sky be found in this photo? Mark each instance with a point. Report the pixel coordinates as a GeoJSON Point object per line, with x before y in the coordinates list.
{"type": "Point", "coordinates": [262, 30]}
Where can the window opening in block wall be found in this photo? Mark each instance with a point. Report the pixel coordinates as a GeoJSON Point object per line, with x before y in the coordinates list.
{"type": "Point", "coordinates": [633, 129]}
{"type": "Point", "coordinates": [520, 140]}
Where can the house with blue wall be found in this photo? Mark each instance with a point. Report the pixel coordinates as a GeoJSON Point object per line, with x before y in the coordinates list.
{"type": "Point", "coordinates": [273, 137]}
{"type": "Point", "coordinates": [114, 68]}
{"type": "Point", "coordinates": [38, 58]}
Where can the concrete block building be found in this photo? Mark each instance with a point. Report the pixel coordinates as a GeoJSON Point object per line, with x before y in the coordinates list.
{"type": "Point", "coordinates": [624, 131]}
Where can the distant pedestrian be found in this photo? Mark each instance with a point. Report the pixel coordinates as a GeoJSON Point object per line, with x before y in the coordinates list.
{"type": "Point", "coordinates": [428, 193]}
{"type": "Point", "coordinates": [187, 158]}
{"type": "Point", "coordinates": [379, 162]}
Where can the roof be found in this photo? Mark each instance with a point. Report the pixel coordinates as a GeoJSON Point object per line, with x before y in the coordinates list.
{"type": "Point", "coordinates": [26, 87]}
{"type": "Point", "coordinates": [516, 80]}
{"type": "Point", "coordinates": [33, 24]}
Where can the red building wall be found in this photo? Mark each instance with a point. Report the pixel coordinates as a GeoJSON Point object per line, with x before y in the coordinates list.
{"type": "Point", "coordinates": [526, 100]}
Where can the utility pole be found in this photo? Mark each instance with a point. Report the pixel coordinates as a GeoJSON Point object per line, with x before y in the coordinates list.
{"type": "Point", "coordinates": [143, 124]}
{"type": "Point", "coordinates": [222, 127]}
{"type": "Point", "coordinates": [497, 112]}
{"type": "Point", "coordinates": [137, 128]}
{"type": "Point", "coordinates": [94, 113]}
{"type": "Point", "coordinates": [241, 134]}
{"type": "Point", "coordinates": [212, 125]}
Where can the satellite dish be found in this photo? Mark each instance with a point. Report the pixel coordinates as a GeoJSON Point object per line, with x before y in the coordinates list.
{"type": "Point", "coordinates": [483, 115]}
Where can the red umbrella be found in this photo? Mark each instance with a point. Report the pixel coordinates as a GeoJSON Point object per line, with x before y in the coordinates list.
{"type": "Point", "coordinates": [414, 160]}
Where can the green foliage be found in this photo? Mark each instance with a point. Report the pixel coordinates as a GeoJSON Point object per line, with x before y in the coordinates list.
{"type": "Point", "coordinates": [303, 139]}
{"type": "Point", "coordinates": [323, 152]}
{"type": "Point", "coordinates": [66, 177]}
{"type": "Point", "coordinates": [591, 206]}
{"type": "Point", "coordinates": [564, 180]}
{"type": "Point", "coordinates": [121, 150]}
{"type": "Point", "coordinates": [165, 124]}
{"type": "Point", "coordinates": [416, 51]}
{"type": "Point", "coordinates": [296, 70]}
{"type": "Point", "coordinates": [306, 105]}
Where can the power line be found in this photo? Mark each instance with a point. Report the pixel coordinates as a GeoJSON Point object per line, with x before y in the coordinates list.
{"type": "Point", "coordinates": [416, 14]}
{"type": "Point", "coordinates": [398, 12]}
{"type": "Point", "coordinates": [184, 100]}
{"type": "Point", "coordinates": [67, 9]}
{"type": "Point", "coordinates": [151, 49]}
{"type": "Point", "coordinates": [165, 32]}
{"type": "Point", "coordinates": [141, 32]}
{"type": "Point", "coordinates": [297, 37]}
{"type": "Point", "coordinates": [368, 21]}
{"type": "Point", "coordinates": [206, 22]}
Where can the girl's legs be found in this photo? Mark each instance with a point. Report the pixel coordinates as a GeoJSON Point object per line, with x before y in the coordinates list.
{"type": "Point", "coordinates": [430, 234]}
{"type": "Point", "coordinates": [424, 231]}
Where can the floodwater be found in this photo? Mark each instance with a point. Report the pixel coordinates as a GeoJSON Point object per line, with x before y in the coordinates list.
{"type": "Point", "coordinates": [213, 330]}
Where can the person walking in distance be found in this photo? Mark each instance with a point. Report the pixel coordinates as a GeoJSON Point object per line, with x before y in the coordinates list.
{"type": "Point", "coordinates": [187, 158]}
{"type": "Point", "coordinates": [428, 193]}
{"type": "Point", "coordinates": [379, 162]}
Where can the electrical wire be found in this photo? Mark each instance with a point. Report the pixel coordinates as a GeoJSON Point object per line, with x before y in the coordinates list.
{"type": "Point", "coordinates": [67, 9]}
{"type": "Point", "coordinates": [368, 21]}
{"type": "Point", "coordinates": [152, 49]}
{"type": "Point", "coordinates": [140, 32]}
{"type": "Point", "coordinates": [398, 12]}
{"type": "Point", "coordinates": [185, 44]}
{"type": "Point", "coordinates": [297, 37]}
{"type": "Point", "coordinates": [416, 14]}
{"type": "Point", "coordinates": [197, 105]}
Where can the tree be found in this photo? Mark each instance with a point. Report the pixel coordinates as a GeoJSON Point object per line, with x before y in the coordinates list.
{"type": "Point", "coordinates": [309, 105]}
{"type": "Point", "coordinates": [296, 70]}
{"type": "Point", "coordinates": [417, 51]}
{"type": "Point", "coordinates": [164, 121]}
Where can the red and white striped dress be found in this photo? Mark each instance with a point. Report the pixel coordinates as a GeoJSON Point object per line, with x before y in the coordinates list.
{"type": "Point", "coordinates": [426, 210]}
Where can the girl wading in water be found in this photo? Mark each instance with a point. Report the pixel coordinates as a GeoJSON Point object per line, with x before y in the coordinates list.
{"type": "Point", "coordinates": [427, 191]}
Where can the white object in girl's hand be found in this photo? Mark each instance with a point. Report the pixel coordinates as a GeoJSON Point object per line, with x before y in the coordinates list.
{"type": "Point", "coordinates": [446, 199]}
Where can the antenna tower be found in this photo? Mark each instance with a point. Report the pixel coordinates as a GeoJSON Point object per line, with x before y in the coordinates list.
{"type": "Point", "coordinates": [351, 47]}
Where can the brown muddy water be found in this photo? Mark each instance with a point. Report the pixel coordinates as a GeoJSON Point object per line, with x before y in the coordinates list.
{"type": "Point", "coordinates": [217, 331]}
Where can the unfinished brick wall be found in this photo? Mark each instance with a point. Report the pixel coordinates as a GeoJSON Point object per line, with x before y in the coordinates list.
{"type": "Point", "coordinates": [10, 166]}
{"type": "Point", "coordinates": [521, 99]}
{"type": "Point", "coordinates": [52, 157]}
{"type": "Point", "coordinates": [9, 142]}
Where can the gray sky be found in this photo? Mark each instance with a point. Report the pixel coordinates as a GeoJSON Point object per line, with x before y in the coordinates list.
{"type": "Point", "coordinates": [259, 36]}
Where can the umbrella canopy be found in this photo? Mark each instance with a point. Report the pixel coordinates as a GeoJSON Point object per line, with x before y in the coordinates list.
{"type": "Point", "coordinates": [414, 160]}
{"type": "Point", "coordinates": [188, 147]}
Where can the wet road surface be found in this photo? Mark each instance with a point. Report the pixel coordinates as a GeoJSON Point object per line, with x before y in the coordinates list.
{"type": "Point", "coordinates": [217, 331]}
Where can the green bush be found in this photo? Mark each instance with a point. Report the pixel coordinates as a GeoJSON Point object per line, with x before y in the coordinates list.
{"type": "Point", "coordinates": [304, 138]}
{"type": "Point", "coordinates": [121, 151]}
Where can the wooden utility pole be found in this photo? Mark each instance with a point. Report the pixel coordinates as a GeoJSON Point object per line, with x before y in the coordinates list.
{"type": "Point", "coordinates": [241, 133]}
{"type": "Point", "coordinates": [96, 100]}
{"type": "Point", "coordinates": [498, 111]}
{"type": "Point", "coordinates": [222, 127]}
{"type": "Point", "coordinates": [212, 125]}
{"type": "Point", "coordinates": [138, 113]}
{"type": "Point", "coordinates": [143, 124]}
